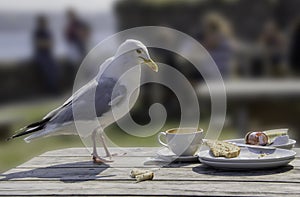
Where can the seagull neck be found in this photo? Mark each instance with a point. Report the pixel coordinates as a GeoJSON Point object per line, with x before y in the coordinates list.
{"type": "Point", "coordinates": [119, 66]}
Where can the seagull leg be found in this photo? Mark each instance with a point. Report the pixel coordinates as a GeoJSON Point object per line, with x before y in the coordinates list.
{"type": "Point", "coordinates": [96, 157]}
{"type": "Point", "coordinates": [102, 139]}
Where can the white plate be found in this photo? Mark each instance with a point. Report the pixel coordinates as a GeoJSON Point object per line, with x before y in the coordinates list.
{"type": "Point", "coordinates": [248, 165]}
{"type": "Point", "coordinates": [168, 155]}
{"type": "Point", "coordinates": [249, 156]}
{"type": "Point", "coordinates": [288, 145]}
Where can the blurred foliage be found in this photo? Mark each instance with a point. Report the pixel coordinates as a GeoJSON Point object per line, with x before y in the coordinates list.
{"type": "Point", "coordinates": [16, 152]}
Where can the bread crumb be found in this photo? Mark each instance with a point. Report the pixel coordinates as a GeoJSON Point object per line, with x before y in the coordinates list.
{"type": "Point", "coordinates": [141, 175]}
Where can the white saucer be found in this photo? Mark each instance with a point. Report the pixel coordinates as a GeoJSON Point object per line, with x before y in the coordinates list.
{"type": "Point", "coordinates": [247, 156]}
{"type": "Point", "coordinates": [248, 159]}
{"type": "Point", "coordinates": [244, 166]}
{"type": "Point", "coordinates": [168, 155]}
{"type": "Point", "coordinates": [291, 143]}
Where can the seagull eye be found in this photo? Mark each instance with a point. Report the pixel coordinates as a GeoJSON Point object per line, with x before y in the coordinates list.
{"type": "Point", "coordinates": [139, 51]}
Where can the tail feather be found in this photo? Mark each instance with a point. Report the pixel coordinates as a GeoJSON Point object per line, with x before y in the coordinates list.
{"type": "Point", "coordinates": [37, 126]}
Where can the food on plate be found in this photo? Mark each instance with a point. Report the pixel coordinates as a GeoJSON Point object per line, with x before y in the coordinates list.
{"type": "Point", "coordinates": [256, 138]}
{"type": "Point", "coordinates": [264, 137]}
{"type": "Point", "coordinates": [262, 155]}
{"type": "Point", "coordinates": [223, 149]}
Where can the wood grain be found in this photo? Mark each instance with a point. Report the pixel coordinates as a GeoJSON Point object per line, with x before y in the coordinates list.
{"type": "Point", "coordinates": [71, 172]}
{"type": "Point", "coordinates": [149, 188]}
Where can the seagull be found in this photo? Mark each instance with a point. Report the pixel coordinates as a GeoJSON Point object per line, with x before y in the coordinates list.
{"type": "Point", "coordinates": [108, 90]}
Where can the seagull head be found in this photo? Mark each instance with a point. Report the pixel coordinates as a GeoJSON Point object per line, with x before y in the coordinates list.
{"type": "Point", "coordinates": [137, 51]}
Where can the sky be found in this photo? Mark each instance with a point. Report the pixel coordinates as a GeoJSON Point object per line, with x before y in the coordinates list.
{"type": "Point", "coordinates": [56, 5]}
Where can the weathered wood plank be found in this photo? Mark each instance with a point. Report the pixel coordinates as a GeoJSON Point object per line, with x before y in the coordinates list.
{"type": "Point", "coordinates": [71, 172]}
{"type": "Point", "coordinates": [130, 151]}
{"type": "Point", "coordinates": [149, 188]}
{"type": "Point", "coordinates": [120, 162]}
{"type": "Point", "coordinates": [79, 162]}
{"type": "Point", "coordinates": [200, 173]}
{"type": "Point", "coordinates": [81, 152]}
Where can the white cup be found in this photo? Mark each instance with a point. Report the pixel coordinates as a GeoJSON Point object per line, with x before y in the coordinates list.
{"type": "Point", "coordinates": [182, 141]}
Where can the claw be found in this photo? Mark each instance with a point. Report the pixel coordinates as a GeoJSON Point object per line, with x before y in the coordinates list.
{"type": "Point", "coordinates": [99, 160]}
{"type": "Point", "coordinates": [114, 154]}
{"type": "Point", "coordinates": [111, 155]}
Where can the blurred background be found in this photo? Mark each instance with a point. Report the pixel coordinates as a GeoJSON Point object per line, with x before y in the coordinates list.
{"type": "Point", "coordinates": [255, 44]}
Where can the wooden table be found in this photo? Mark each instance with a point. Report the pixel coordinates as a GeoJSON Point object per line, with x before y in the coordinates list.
{"type": "Point", "coordinates": [71, 172]}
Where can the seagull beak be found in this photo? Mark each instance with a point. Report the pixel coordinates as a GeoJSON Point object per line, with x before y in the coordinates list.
{"type": "Point", "coordinates": [151, 64]}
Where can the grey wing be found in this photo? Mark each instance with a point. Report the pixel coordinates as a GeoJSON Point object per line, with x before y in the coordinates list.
{"type": "Point", "coordinates": [96, 98]}
{"type": "Point", "coordinates": [79, 92]}
{"type": "Point", "coordinates": [119, 93]}
{"type": "Point", "coordinates": [68, 102]}
{"type": "Point", "coordinates": [103, 66]}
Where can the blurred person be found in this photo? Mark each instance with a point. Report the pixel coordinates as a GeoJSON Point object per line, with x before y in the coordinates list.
{"type": "Point", "coordinates": [77, 35]}
{"type": "Point", "coordinates": [294, 48]}
{"type": "Point", "coordinates": [272, 45]}
{"type": "Point", "coordinates": [43, 55]}
{"type": "Point", "coordinates": [216, 37]}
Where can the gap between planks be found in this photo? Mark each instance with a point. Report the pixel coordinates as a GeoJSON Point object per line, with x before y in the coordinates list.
{"type": "Point", "coordinates": [151, 188]}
